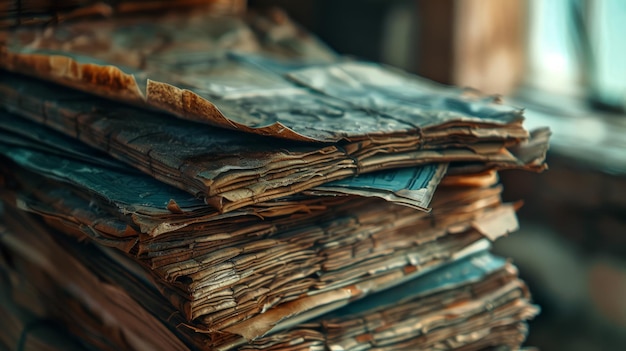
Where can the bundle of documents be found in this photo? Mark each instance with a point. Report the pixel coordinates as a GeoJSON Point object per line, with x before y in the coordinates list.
{"type": "Point", "coordinates": [469, 304]}
{"type": "Point", "coordinates": [230, 183]}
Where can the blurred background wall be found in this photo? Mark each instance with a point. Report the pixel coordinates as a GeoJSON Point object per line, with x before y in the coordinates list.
{"type": "Point", "coordinates": [565, 62]}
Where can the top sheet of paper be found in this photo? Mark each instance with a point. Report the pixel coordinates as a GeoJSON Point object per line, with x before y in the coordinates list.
{"type": "Point", "coordinates": [257, 75]}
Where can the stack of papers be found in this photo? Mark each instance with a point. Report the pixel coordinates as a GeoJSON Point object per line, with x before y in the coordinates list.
{"type": "Point", "coordinates": [232, 184]}
{"type": "Point", "coordinates": [474, 303]}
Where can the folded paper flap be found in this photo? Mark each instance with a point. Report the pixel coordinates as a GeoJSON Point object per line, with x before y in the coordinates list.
{"type": "Point", "coordinates": [497, 222]}
{"type": "Point", "coordinates": [534, 150]}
